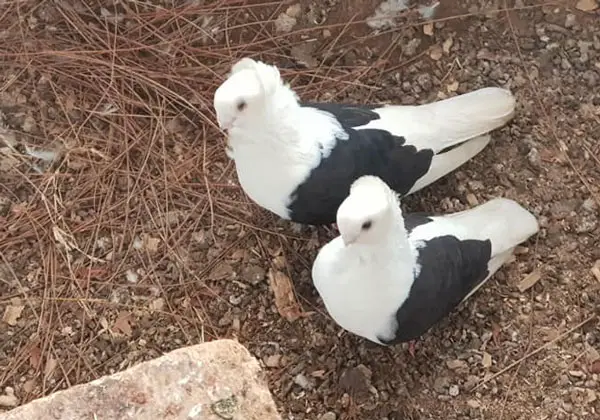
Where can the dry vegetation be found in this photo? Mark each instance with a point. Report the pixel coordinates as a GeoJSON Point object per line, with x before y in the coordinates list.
{"type": "Point", "coordinates": [124, 233]}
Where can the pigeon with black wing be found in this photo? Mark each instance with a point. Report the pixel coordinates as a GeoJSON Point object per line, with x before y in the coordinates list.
{"type": "Point", "coordinates": [390, 277]}
{"type": "Point", "coordinates": [299, 159]}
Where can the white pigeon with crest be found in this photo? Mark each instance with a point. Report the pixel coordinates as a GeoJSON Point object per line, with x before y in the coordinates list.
{"type": "Point", "coordinates": [389, 278]}
{"type": "Point", "coordinates": [298, 159]}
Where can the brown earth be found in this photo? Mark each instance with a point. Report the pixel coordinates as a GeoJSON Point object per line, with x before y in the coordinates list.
{"type": "Point", "coordinates": [130, 237]}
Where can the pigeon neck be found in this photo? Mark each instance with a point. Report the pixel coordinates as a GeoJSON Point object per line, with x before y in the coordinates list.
{"type": "Point", "coordinates": [398, 237]}
{"type": "Point", "coordinates": [284, 100]}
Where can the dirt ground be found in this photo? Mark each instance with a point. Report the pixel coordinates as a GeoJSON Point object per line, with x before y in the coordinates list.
{"type": "Point", "coordinates": [124, 233]}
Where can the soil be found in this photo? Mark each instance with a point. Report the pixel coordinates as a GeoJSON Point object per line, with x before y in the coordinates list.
{"type": "Point", "coordinates": [124, 233]}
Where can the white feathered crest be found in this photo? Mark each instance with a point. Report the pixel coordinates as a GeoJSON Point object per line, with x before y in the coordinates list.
{"type": "Point", "coordinates": [268, 76]}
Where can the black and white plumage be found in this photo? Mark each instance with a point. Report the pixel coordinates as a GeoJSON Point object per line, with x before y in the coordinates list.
{"type": "Point", "coordinates": [389, 278]}
{"type": "Point", "coordinates": [298, 159]}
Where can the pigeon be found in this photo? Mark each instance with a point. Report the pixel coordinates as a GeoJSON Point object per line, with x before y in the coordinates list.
{"type": "Point", "coordinates": [389, 278]}
{"type": "Point", "coordinates": [298, 159]}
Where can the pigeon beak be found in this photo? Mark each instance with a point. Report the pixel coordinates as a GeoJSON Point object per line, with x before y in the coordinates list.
{"type": "Point", "coordinates": [224, 124]}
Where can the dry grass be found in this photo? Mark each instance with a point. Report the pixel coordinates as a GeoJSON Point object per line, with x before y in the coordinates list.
{"type": "Point", "coordinates": [141, 167]}
{"type": "Point", "coordinates": [127, 109]}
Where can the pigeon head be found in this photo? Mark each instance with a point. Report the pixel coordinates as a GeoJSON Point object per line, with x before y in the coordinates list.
{"type": "Point", "coordinates": [245, 92]}
{"type": "Point", "coordinates": [368, 211]}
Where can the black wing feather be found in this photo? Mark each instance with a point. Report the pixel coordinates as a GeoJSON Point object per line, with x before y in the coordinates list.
{"type": "Point", "coordinates": [412, 220]}
{"type": "Point", "coordinates": [366, 152]}
{"type": "Point", "coordinates": [450, 269]}
{"type": "Point", "coordinates": [349, 115]}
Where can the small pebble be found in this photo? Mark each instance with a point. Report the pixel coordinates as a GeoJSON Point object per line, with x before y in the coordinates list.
{"type": "Point", "coordinates": [330, 415]}
{"type": "Point", "coordinates": [586, 224]}
{"type": "Point", "coordinates": [471, 381]}
{"type": "Point", "coordinates": [473, 404]}
{"type": "Point", "coordinates": [457, 364]}
{"type": "Point", "coordinates": [570, 20]}
{"type": "Point", "coordinates": [302, 381]}
{"type": "Point", "coordinates": [453, 390]}
{"type": "Point", "coordinates": [8, 401]}
{"type": "Point", "coordinates": [577, 373]}
{"type": "Point", "coordinates": [440, 384]}
{"type": "Point", "coordinates": [589, 205]}
{"type": "Point", "coordinates": [272, 361]}
{"type": "Point", "coordinates": [410, 49]}
{"type": "Point", "coordinates": [472, 200]}
{"type": "Point", "coordinates": [254, 274]}
{"type": "Point", "coordinates": [235, 300]}
{"type": "Point", "coordinates": [534, 157]}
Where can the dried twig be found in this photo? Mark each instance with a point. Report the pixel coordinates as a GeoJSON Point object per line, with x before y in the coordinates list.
{"type": "Point", "coordinates": [536, 351]}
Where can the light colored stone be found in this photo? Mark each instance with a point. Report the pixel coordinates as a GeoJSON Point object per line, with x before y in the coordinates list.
{"type": "Point", "coordinates": [453, 390]}
{"type": "Point", "coordinates": [8, 400]}
{"type": "Point", "coordinates": [587, 5]}
{"type": "Point", "coordinates": [330, 415]}
{"type": "Point", "coordinates": [210, 381]}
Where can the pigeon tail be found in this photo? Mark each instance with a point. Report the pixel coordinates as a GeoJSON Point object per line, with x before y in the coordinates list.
{"type": "Point", "coordinates": [504, 223]}
{"type": "Point", "coordinates": [444, 163]}
{"type": "Point", "coordinates": [443, 124]}
{"type": "Point", "coordinates": [472, 114]}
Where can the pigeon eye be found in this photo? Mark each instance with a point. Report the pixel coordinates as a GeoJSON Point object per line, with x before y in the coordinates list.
{"type": "Point", "coordinates": [367, 225]}
{"type": "Point", "coordinates": [241, 105]}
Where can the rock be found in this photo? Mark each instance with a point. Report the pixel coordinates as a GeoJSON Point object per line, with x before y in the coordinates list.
{"type": "Point", "coordinates": [471, 382]}
{"type": "Point", "coordinates": [365, 371]}
{"type": "Point", "coordinates": [356, 380]}
{"type": "Point", "coordinates": [475, 185]}
{"type": "Point", "coordinates": [201, 238]}
{"type": "Point", "coordinates": [303, 382]}
{"type": "Point", "coordinates": [570, 20]}
{"type": "Point", "coordinates": [330, 415]}
{"type": "Point", "coordinates": [295, 10]}
{"type": "Point", "coordinates": [453, 391]}
{"type": "Point", "coordinates": [410, 48]}
{"type": "Point", "coordinates": [457, 365]}
{"type": "Point", "coordinates": [586, 5]}
{"type": "Point", "coordinates": [577, 373]}
{"type": "Point", "coordinates": [285, 22]}
{"type": "Point", "coordinates": [384, 15]}
{"type": "Point", "coordinates": [584, 50]}
{"type": "Point", "coordinates": [591, 396]}
{"type": "Point", "coordinates": [210, 381]}
{"type": "Point", "coordinates": [562, 209]}
{"type": "Point", "coordinates": [304, 54]}
{"type": "Point", "coordinates": [424, 80]}
{"type": "Point", "coordinates": [472, 199]}
{"type": "Point", "coordinates": [589, 205]}
{"type": "Point", "coordinates": [435, 53]}
{"type": "Point", "coordinates": [29, 124]}
{"type": "Point", "coordinates": [473, 403]}
{"type": "Point", "coordinates": [9, 400]}
{"type": "Point", "coordinates": [272, 361]}
{"type": "Point", "coordinates": [586, 224]}
{"type": "Point", "coordinates": [235, 300]}
{"type": "Point", "coordinates": [440, 384]}
{"type": "Point", "coordinates": [534, 157]}
{"type": "Point", "coordinates": [253, 274]}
